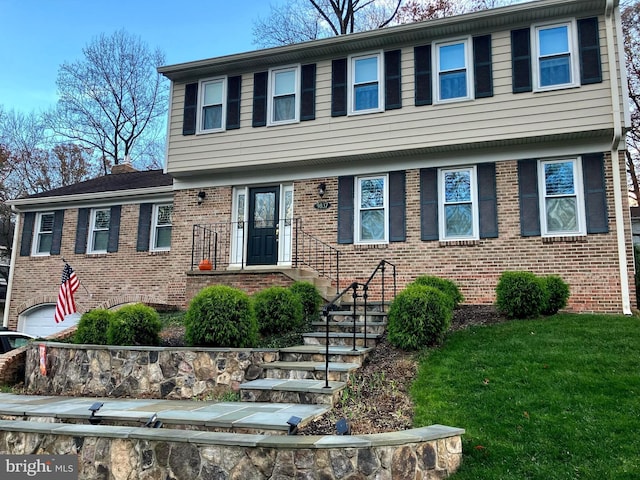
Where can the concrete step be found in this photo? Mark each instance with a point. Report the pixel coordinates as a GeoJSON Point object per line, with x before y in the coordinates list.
{"type": "Point", "coordinates": [347, 315]}
{"type": "Point", "coordinates": [309, 392]}
{"type": "Point", "coordinates": [372, 305]}
{"type": "Point", "coordinates": [347, 326]}
{"type": "Point", "coordinates": [341, 339]}
{"type": "Point", "coordinates": [338, 372]}
{"type": "Point", "coordinates": [316, 353]}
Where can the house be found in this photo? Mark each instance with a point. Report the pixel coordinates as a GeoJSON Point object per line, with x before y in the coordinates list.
{"type": "Point", "coordinates": [460, 147]}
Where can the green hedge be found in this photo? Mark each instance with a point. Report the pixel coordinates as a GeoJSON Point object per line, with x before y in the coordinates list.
{"type": "Point", "coordinates": [93, 326]}
{"type": "Point", "coordinates": [278, 310]}
{"type": "Point", "coordinates": [135, 324]}
{"type": "Point", "coordinates": [448, 287]}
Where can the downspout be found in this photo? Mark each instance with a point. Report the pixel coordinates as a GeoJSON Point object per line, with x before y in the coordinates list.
{"type": "Point", "coordinates": [618, 136]}
{"type": "Point", "coordinates": [12, 265]}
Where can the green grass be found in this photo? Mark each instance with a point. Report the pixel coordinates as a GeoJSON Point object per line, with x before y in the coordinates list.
{"type": "Point", "coordinates": [555, 398]}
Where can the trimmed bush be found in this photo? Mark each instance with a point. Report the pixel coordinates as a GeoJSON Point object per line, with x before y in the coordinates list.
{"type": "Point", "coordinates": [135, 324]}
{"type": "Point", "coordinates": [448, 287]}
{"type": "Point", "coordinates": [520, 295]}
{"type": "Point", "coordinates": [310, 299]}
{"type": "Point", "coordinates": [93, 326]}
{"type": "Point", "coordinates": [556, 293]}
{"type": "Point", "coordinates": [278, 310]}
{"type": "Point", "coordinates": [221, 316]}
{"type": "Point", "coordinates": [419, 316]}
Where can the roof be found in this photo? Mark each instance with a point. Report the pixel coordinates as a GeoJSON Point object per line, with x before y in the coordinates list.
{"type": "Point", "coordinates": [412, 33]}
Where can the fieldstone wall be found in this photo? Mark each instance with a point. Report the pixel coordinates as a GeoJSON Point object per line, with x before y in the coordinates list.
{"type": "Point", "coordinates": [141, 372]}
{"type": "Point", "coordinates": [127, 453]}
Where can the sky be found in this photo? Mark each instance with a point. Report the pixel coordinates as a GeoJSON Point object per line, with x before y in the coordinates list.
{"type": "Point", "coordinates": [37, 36]}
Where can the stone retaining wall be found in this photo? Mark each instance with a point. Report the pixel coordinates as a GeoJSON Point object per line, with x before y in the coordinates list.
{"type": "Point", "coordinates": [141, 372]}
{"type": "Point", "coordinates": [123, 453]}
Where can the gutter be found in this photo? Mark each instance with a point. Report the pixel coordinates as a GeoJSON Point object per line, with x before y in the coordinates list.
{"type": "Point", "coordinates": [14, 254]}
{"type": "Point", "coordinates": [611, 16]}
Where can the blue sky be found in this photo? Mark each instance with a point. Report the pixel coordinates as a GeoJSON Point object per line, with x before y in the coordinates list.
{"type": "Point", "coordinates": [37, 36]}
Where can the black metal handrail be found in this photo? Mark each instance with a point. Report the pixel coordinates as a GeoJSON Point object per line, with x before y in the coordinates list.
{"type": "Point", "coordinates": [312, 252]}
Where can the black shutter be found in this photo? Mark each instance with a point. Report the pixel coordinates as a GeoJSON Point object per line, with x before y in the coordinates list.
{"type": "Point", "coordinates": [144, 227]}
{"type": "Point", "coordinates": [190, 109]}
{"type": "Point", "coordinates": [56, 240]}
{"type": "Point", "coordinates": [521, 60]}
{"type": "Point", "coordinates": [595, 195]}
{"type": "Point", "coordinates": [82, 230]}
{"type": "Point", "coordinates": [589, 47]}
{"type": "Point", "coordinates": [429, 204]}
{"type": "Point", "coordinates": [345, 209]}
{"type": "Point", "coordinates": [529, 202]}
{"type": "Point", "coordinates": [487, 200]}
{"type": "Point", "coordinates": [392, 80]}
{"type": "Point", "coordinates": [339, 87]}
{"type": "Point", "coordinates": [114, 229]}
{"type": "Point", "coordinates": [482, 66]}
{"type": "Point", "coordinates": [233, 102]}
{"type": "Point", "coordinates": [308, 93]}
{"type": "Point", "coordinates": [397, 210]}
{"type": "Point", "coordinates": [260, 99]}
{"type": "Point", "coordinates": [27, 234]}
{"type": "Point", "coordinates": [423, 87]}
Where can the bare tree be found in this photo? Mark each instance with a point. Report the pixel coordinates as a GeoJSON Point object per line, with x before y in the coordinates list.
{"type": "Point", "coordinates": [113, 99]}
{"type": "Point", "coordinates": [630, 19]}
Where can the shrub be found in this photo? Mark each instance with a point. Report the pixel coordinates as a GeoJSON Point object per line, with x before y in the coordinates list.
{"type": "Point", "coordinates": [310, 299]}
{"type": "Point", "coordinates": [278, 310]}
{"type": "Point", "coordinates": [135, 324]}
{"type": "Point", "coordinates": [221, 316]}
{"type": "Point", "coordinates": [636, 258]}
{"type": "Point", "coordinates": [556, 293]}
{"type": "Point", "coordinates": [419, 316]}
{"type": "Point", "coordinates": [448, 287]}
{"type": "Point", "coordinates": [520, 295]}
{"type": "Point", "coordinates": [93, 326]}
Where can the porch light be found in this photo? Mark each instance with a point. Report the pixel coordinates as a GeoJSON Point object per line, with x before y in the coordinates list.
{"type": "Point", "coordinates": [201, 196]}
{"type": "Point", "coordinates": [322, 188]}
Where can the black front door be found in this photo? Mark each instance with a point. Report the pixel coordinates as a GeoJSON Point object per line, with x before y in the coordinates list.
{"type": "Point", "coordinates": [263, 226]}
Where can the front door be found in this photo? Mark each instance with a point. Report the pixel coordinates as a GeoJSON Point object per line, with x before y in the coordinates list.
{"type": "Point", "coordinates": [263, 226]}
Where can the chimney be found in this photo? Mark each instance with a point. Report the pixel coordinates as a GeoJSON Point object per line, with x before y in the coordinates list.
{"type": "Point", "coordinates": [124, 167]}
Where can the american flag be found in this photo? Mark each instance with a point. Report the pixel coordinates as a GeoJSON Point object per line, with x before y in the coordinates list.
{"type": "Point", "coordinates": [66, 304]}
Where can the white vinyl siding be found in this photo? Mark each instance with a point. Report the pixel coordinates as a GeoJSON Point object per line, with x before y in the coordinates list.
{"type": "Point", "coordinates": [458, 204]}
{"type": "Point", "coordinates": [366, 84]}
{"type": "Point", "coordinates": [284, 96]}
{"type": "Point", "coordinates": [161, 227]}
{"type": "Point", "coordinates": [212, 105]}
{"type": "Point", "coordinates": [43, 233]}
{"type": "Point", "coordinates": [99, 230]}
{"type": "Point", "coordinates": [555, 58]}
{"type": "Point", "coordinates": [561, 198]}
{"type": "Point", "coordinates": [372, 209]}
{"type": "Point", "coordinates": [453, 71]}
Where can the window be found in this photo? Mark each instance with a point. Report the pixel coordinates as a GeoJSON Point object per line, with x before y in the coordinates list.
{"type": "Point", "coordinates": [556, 66]}
{"type": "Point", "coordinates": [43, 234]}
{"type": "Point", "coordinates": [561, 200]}
{"type": "Point", "coordinates": [458, 204]}
{"type": "Point", "coordinates": [284, 98]}
{"type": "Point", "coordinates": [99, 230]}
{"type": "Point", "coordinates": [212, 105]}
{"type": "Point", "coordinates": [371, 209]}
{"type": "Point", "coordinates": [161, 227]}
{"type": "Point", "coordinates": [366, 88]}
{"type": "Point", "coordinates": [454, 75]}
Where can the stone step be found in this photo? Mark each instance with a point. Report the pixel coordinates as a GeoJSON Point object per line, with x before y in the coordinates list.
{"type": "Point", "coordinates": [372, 306]}
{"type": "Point", "coordinates": [347, 315]}
{"type": "Point", "coordinates": [341, 339]}
{"type": "Point", "coordinates": [338, 372]}
{"type": "Point", "coordinates": [317, 353]}
{"type": "Point", "coordinates": [347, 326]}
{"type": "Point", "coordinates": [308, 392]}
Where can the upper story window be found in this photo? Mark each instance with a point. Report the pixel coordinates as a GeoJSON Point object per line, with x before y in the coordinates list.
{"type": "Point", "coordinates": [212, 105]}
{"type": "Point", "coordinates": [454, 80]}
{"type": "Point", "coordinates": [161, 227]}
{"type": "Point", "coordinates": [43, 233]}
{"type": "Point", "coordinates": [284, 95]}
{"type": "Point", "coordinates": [561, 203]}
{"type": "Point", "coordinates": [366, 85]}
{"type": "Point", "coordinates": [556, 61]}
{"type": "Point", "coordinates": [372, 212]}
{"type": "Point", "coordinates": [459, 217]}
{"type": "Point", "coordinates": [99, 230]}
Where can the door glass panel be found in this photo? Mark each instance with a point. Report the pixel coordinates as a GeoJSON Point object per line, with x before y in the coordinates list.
{"type": "Point", "coordinates": [264, 211]}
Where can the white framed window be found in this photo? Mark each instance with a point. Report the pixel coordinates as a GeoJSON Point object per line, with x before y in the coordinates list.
{"type": "Point", "coordinates": [453, 60]}
{"type": "Point", "coordinates": [99, 230]}
{"type": "Point", "coordinates": [366, 85]}
{"type": "Point", "coordinates": [458, 204]}
{"type": "Point", "coordinates": [561, 197]}
{"type": "Point", "coordinates": [284, 95]}
{"type": "Point", "coordinates": [555, 48]}
{"type": "Point", "coordinates": [372, 209]}
{"type": "Point", "coordinates": [43, 233]}
{"type": "Point", "coordinates": [161, 227]}
{"type": "Point", "coordinates": [212, 108]}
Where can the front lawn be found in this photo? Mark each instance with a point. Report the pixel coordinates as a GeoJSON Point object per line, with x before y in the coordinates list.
{"type": "Point", "coordinates": [555, 398]}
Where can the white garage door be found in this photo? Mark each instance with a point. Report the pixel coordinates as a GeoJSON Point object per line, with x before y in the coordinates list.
{"type": "Point", "coordinates": [39, 321]}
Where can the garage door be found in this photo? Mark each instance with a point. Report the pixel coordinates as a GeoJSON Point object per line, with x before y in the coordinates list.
{"type": "Point", "coordinates": [39, 321]}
